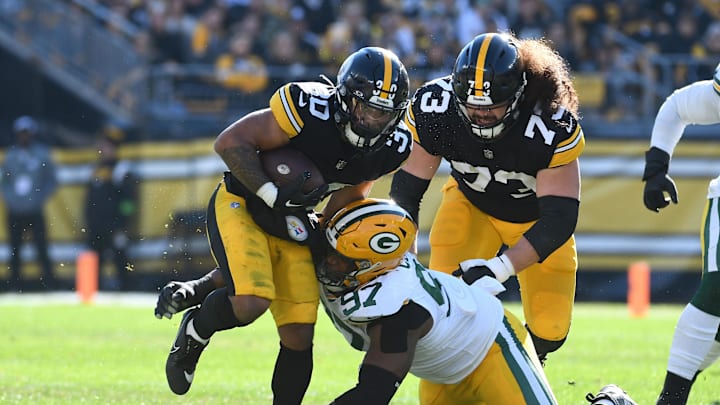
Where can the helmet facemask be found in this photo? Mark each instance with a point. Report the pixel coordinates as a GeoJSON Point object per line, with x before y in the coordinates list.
{"type": "Point", "coordinates": [369, 124]}
{"type": "Point", "coordinates": [490, 131]}
{"type": "Point", "coordinates": [339, 273]}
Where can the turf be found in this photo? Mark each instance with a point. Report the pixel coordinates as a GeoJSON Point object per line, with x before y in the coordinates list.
{"type": "Point", "coordinates": [113, 352]}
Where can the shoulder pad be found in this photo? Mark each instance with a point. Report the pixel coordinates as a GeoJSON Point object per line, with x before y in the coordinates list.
{"type": "Point", "coordinates": [431, 105]}
{"type": "Point", "coordinates": [565, 119]}
{"type": "Point", "coordinates": [570, 138]}
{"type": "Point", "coordinates": [435, 86]}
{"type": "Point", "coordinates": [561, 120]}
{"type": "Point", "coordinates": [291, 104]}
{"type": "Point", "coordinates": [315, 88]}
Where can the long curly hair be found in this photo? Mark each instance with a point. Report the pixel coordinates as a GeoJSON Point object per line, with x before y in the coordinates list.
{"type": "Point", "coordinates": [548, 77]}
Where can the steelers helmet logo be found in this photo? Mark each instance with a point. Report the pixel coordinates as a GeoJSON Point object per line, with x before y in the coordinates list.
{"type": "Point", "coordinates": [385, 242]}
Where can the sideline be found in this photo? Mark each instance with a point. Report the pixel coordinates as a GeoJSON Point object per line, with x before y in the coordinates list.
{"type": "Point", "coordinates": [69, 297]}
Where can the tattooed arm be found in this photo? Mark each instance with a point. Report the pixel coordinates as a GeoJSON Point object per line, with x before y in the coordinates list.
{"type": "Point", "coordinates": [238, 144]}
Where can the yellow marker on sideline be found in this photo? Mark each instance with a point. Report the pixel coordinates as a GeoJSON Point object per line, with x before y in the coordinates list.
{"type": "Point", "coordinates": [638, 298]}
{"type": "Point", "coordinates": [86, 276]}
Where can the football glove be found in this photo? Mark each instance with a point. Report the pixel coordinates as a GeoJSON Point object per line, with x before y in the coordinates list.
{"type": "Point", "coordinates": [290, 197]}
{"type": "Point", "coordinates": [657, 181]}
{"type": "Point", "coordinates": [177, 296]}
{"type": "Point", "coordinates": [489, 274]}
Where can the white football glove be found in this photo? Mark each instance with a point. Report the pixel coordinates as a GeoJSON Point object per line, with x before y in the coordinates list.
{"type": "Point", "coordinates": [487, 274]}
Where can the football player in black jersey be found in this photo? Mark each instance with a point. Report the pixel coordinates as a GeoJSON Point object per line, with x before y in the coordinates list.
{"type": "Point", "coordinates": [506, 120]}
{"type": "Point", "coordinates": [258, 236]}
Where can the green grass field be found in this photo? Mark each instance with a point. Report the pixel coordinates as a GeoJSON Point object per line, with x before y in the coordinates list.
{"type": "Point", "coordinates": [112, 352]}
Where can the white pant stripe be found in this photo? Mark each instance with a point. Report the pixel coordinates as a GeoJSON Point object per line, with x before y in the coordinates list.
{"type": "Point", "coordinates": [525, 366]}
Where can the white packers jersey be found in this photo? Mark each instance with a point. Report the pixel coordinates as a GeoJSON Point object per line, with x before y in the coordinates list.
{"type": "Point", "coordinates": [466, 319]}
{"type": "Point", "coordinates": [695, 104]}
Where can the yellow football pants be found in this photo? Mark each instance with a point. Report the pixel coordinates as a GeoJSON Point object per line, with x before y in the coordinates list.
{"type": "Point", "coordinates": [460, 231]}
{"type": "Point", "coordinates": [509, 374]}
{"type": "Point", "coordinates": [256, 263]}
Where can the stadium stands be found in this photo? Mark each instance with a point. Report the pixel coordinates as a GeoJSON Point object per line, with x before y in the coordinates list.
{"type": "Point", "coordinates": [154, 66]}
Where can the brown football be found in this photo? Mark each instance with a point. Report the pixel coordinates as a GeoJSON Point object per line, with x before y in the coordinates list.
{"type": "Point", "coordinates": [285, 164]}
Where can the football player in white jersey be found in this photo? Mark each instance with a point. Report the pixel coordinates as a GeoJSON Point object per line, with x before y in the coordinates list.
{"type": "Point", "coordinates": [455, 337]}
{"type": "Point", "coordinates": [695, 344]}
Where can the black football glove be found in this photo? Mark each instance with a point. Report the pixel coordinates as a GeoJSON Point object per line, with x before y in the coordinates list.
{"type": "Point", "coordinates": [657, 181]}
{"type": "Point", "coordinates": [290, 197]}
{"type": "Point", "coordinates": [177, 296]}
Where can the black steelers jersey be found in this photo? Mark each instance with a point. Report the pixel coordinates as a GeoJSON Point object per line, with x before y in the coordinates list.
{"type": "Point", "coordinates": [305, 110]}
{"type": "Point", "coordinates": [498, 177]}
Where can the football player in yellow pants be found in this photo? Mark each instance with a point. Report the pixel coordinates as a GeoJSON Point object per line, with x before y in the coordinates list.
{"type": "Point", "coordinates": [506, 121]}
{"type": "Point", "coordinates": [547, 288]}
{"type": "Point", "coordinates": [256, 228]}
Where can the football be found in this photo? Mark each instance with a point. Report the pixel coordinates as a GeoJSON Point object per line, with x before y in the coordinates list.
{"type": "Point", "coordinates": [285, 164]}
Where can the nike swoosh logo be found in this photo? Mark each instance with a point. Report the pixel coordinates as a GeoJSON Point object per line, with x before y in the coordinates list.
{"type": "Point", "coordinates": [301, 100]}
{"type": "Point", "coordinates": [290, 204]}
{"type": "Point", "coordinates": [189, 376]}
{"type": "Point", "coordinates": [174, 349]}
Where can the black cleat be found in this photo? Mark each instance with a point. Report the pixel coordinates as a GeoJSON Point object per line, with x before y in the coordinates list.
{"type": "Point", "coordinates": [183, 357]}
{"type": "Point", "coordinates": [610, 395]}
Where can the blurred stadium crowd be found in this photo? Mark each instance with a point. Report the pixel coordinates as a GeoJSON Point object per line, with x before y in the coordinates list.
{"type": "Point", "coordinates": [243, 38]}
{"type": "Point", "coordinates": [179, 70]}
{"type": "Point", "coordinates": [209, 61]}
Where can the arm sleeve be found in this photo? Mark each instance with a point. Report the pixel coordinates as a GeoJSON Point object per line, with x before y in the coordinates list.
{"type": "Point", "coordinates": [407, 191]}
{"type": "Point", "coordinates": [558, 218]}
{"type": "Point", "coordinates": [696, 103]}
{"type": "Point", "coordinates": [375, 386]}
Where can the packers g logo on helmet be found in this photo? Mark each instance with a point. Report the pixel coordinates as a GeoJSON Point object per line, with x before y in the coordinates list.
{"type": "Point", "coordinates": [366, 239]}
{"type": "Point", "coordinates": [385, 243]}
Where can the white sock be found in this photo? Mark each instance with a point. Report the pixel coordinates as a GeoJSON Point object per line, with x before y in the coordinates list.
{"type": "Point", "coordinates": [193, 333]}
{"type": "Point", "coordinates": [693, 342]}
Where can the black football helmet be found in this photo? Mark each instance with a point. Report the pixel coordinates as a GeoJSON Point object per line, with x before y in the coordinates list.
{"type": "Point", "coordinates": [372, 94]}
{"type": "Point", "coordinates": [487, 74]}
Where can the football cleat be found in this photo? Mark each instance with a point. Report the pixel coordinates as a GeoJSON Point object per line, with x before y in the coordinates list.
{"type": "Point", "coordinates": [610, 395]}
{"type": "Point", "coordinates": [183, 357]}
